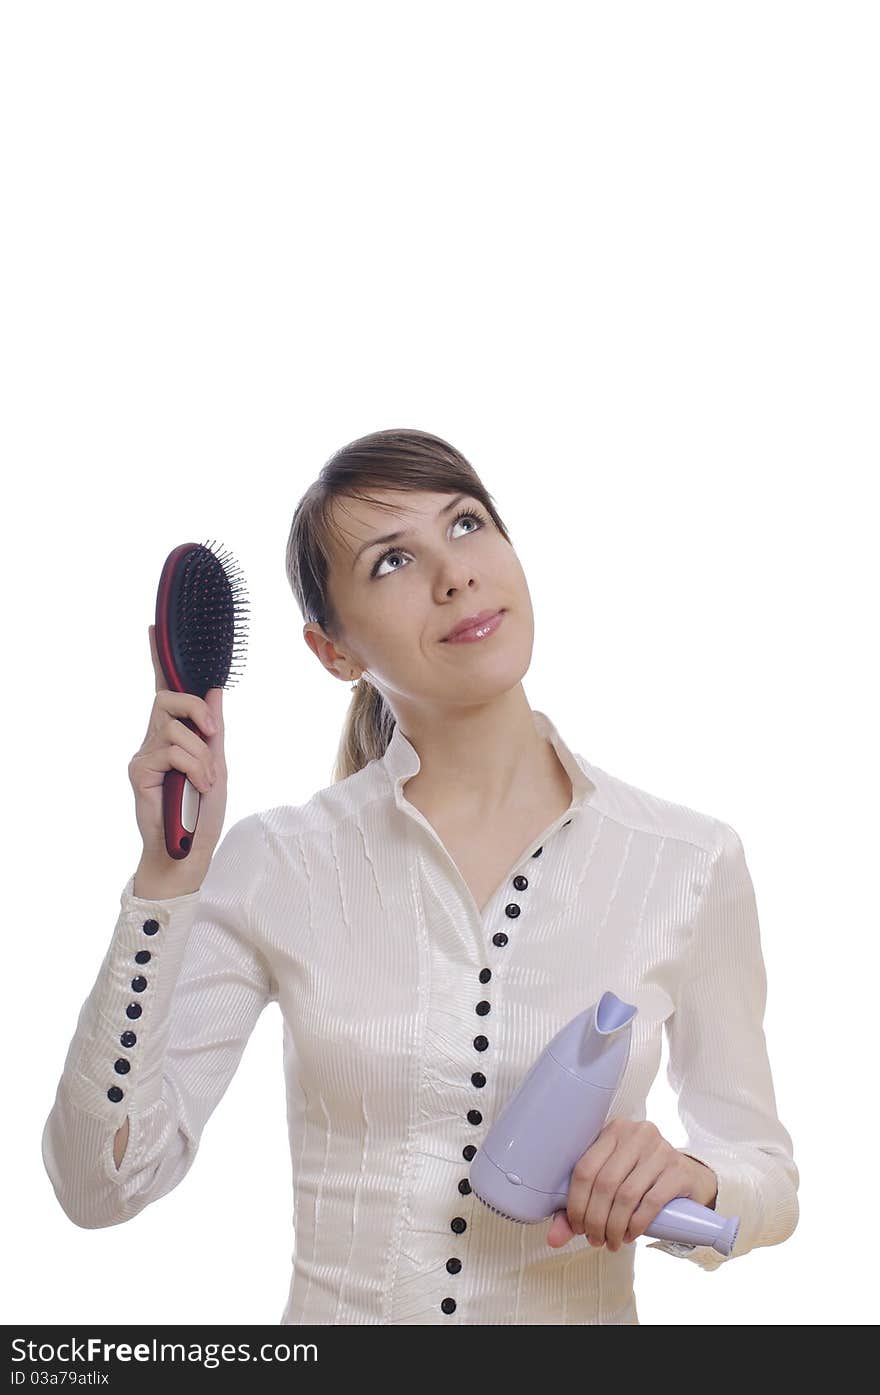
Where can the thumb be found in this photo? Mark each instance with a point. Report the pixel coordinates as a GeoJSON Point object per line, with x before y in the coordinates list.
{"type": "Point", "coordinates": [214, 699]}
{"type": "Point", "coordinates": [158, 672]}
{"type": "Point", "coordinates": [560, 1231]}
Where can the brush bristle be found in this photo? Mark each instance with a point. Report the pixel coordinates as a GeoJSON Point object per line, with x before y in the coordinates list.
{"type": "Point", "coordinates": [210, 619]}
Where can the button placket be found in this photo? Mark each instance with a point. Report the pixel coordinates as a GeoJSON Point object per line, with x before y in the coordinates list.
{"type": "Point", "coordinates": [458, 1224]}
{"type": "Point", "coordinates": [122, 1065]}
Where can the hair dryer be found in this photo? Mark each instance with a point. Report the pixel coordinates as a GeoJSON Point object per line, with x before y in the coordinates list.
{"type": "Point", "coordinates": [523, 1168]}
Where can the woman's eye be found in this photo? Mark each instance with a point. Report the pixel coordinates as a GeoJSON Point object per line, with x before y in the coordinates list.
{"type": "Point", "coordinates": [397, 552]}
{"type": "Point", "coordinates": [383, 558]}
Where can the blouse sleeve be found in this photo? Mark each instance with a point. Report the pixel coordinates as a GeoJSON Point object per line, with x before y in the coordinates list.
{"type": "Point", "coordinates": [719, 1068]}
{"type": "Point", "coordinates": [159, 1038]}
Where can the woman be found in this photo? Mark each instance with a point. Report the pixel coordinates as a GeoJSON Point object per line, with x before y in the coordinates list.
{"type": "Point", "coordinates": [426, 923]}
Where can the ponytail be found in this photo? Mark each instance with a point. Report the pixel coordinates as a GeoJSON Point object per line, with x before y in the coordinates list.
{"type": "Point", "coordinates": [369, 724]}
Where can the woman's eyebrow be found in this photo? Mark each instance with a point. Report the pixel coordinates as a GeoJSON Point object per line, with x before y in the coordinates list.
{"type": "Point", "coordinates": [403, 533]}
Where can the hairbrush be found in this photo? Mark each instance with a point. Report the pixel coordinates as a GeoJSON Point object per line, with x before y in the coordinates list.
{"type": "Point", "coordinates": [201, 632]}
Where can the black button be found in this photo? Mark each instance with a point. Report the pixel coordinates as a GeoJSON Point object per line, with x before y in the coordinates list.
{"type": "Point", "coordinates": [474, 1116]}
{"type": "Point", "coordinates": [512, 909]}
{"type": "Point", "coordinates": [453, 1266]}
{"type": "Point", "coordinates": [143, 956]}
{"type": "Point", "coordinates": [150, 927]}
{"type": "Point", "coordinates": [499, 938]}
{"type": "Point", "coordinates": [122, 1067]}
{"type": "Point", "coordinates": [481, 1043]}
{"type": "Point", "coordinates": [133, 1010]}
{"type": "Point", "coordinates": [128, 1038]}
{"type": "Point", "coordinates": [478, 1079]}
{"type": "Point", "coordinates": [520, 883]}
{"type": "Point", "coordinates": [448, 1305]}
{"type": "Point", "coordinates": [468, 1151]}
{"type": "Point", "coordinates": [138, 983]}
{"type": "Point", "coordinates": [485, 975]}
{"type": "Point", "coordinates": [567, 822]}
{"type": "Point", "coordinates": [458, 1224]}
{"type": "Point", "coordinates": [464, 1186]}
{"type": "Point", "coordinates": [482, 1008]}
{"type": "Point", "coordinates": [114, 1093]}
{"type": "Point", "coordinates": [538, 851]}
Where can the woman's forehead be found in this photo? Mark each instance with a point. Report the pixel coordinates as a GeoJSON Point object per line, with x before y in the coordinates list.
{"type": "Point", "coordinates": [387, 510]}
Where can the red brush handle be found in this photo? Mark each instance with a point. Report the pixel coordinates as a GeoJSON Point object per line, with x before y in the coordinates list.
{"type": "Point", "coordinates": [181, 802]}
{"type": "Point", "coordinates": [180, 798]}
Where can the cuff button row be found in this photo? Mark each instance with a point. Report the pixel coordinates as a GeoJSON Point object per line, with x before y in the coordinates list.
{"type": "Point", "coordinates": [121, 1065]}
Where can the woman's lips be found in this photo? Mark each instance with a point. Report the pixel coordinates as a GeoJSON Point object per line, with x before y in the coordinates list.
{"type": "Point", "coordinates": [477, 632]}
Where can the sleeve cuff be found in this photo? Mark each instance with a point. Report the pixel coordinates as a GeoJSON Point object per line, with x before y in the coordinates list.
{"type": "Point", "coordinates": [132, 995]}
{"type": "Point", "coordinates": [736, 1197]}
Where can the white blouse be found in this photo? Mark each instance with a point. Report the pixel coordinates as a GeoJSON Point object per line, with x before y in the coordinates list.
{"type": "Point", "coordinates": [409, 1018]}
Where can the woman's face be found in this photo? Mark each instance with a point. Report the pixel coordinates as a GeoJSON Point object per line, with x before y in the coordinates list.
{"type": "Point", "coordinates": [397, 600]}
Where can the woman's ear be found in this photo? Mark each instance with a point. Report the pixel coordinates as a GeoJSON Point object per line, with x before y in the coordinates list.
{"type": "Point", "coordinates": [333, 660]}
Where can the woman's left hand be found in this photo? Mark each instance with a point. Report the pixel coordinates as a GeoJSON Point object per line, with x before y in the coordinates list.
{"type": "Point", "coordinates": [623, 1180]}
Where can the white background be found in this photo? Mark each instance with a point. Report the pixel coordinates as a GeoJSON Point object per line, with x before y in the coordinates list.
{"type": "Point", "coordinates": [624, 257]}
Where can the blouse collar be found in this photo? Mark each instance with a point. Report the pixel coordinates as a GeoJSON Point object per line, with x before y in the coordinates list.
{"type": "Point", "coordinates": [401, 760]}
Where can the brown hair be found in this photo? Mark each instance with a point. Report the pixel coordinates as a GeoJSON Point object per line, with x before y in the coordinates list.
{"type": "Point", "coordinates": [413, 460]}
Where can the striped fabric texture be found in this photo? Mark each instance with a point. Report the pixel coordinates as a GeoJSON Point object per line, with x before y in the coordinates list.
{"type": "Point", "coordinates": [408, 1019]}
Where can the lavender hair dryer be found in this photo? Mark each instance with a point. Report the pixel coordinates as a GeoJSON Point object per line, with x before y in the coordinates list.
{"type": "Point", "coordinates": [523, 1168]}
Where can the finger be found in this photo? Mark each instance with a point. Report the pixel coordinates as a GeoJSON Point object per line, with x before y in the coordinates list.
{"type": "Point", "coordinates": [628, 1155]}
{"type": "Point", "coordinates": [627, 1200]}
{"type": "Point", "coordinates": [583, 1178]}
{"type": "Point", "coordinates": [175, 732]}
{"type": "Point", "coordinates": [655, 1197]}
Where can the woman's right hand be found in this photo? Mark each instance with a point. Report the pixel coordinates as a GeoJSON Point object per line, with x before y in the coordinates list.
{"type": "Point", "coordinates": [170, 744]}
